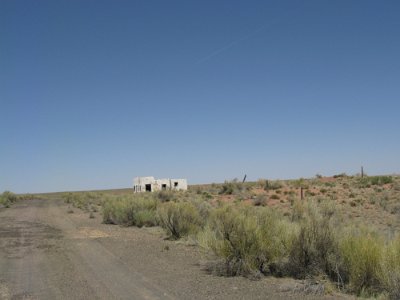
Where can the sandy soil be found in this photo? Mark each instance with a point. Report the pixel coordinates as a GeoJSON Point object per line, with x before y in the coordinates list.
{"type": "Point", "coordinates": [48, 253]}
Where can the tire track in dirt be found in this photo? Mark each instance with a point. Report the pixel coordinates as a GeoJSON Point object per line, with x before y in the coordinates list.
{"type": "Point", "coordinates": [42, 258]}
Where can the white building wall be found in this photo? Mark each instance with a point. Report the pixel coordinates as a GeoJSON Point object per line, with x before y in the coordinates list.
{"type": "Point", "coordinates": [179, 184]}
{"type": "Point", "coordinates": [143, 184]}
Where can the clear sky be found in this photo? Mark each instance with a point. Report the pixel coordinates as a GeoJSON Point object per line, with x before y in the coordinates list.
{"type": "Point", "coordinates": [93, 93]}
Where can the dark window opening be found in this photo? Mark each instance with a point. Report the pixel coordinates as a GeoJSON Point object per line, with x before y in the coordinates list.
{"type": "Point", "coordinates": [148, 187]}
{"type": "Point", "coordinates": [175, 184]}
{"type": "Point", "coordinates": [163, 186]}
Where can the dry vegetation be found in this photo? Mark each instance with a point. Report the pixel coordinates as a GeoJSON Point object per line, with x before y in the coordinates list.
{"type": "Point", "coordinates": [345, 230]}
{"type": "Point", "coordinates": [7, 198]}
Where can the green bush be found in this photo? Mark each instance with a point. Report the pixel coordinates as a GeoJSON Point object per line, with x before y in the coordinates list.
{"type": "Point", "coordinates": [389, 272]}
{"type": "Point", "coordinates": [229, 187]}
{"type": "Point", "coordinates": [314, 249]}
{"type": "Point", "coordinates": [135, 210]}
{"type": "Point", "coordinates": [273, 185]}
{"type": "Point", "coordinates": [374, 180]}
{"type": "Point", "coordinates": [165, 196]}
{"type": "Point", "coordinates": [361, 255]}
{"type": "Point", "coordinates": [179, 218]}
{"type": "Point", "coordinates": [82, 200]}
{"type": "Point", "coordinates": [247, 240]}
{"type": "Point", "coordinates": [276, 236]}
{"type": "Point", "coordinates": [8, 198]}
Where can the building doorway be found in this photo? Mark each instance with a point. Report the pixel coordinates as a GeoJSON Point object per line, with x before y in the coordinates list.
{"type": "Point", "coordinates": [148, 187]}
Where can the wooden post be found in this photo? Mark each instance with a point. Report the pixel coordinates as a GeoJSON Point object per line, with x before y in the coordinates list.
{"type": "Point", "coordinates": [244, 179]}
{"type": "Point", "coordinates": [301, 193]}
{"type": "Point", "coordinates": [362, 172]}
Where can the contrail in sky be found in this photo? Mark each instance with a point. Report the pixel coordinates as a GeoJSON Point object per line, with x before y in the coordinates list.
{"type": "Point", "coordinates": [231, 44]}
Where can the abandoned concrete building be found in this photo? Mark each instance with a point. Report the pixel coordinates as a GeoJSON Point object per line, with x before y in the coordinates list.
{"type": "Point", "coordinates": [149, 184]}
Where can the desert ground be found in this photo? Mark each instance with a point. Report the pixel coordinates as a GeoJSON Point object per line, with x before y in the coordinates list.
{"type": "Point", "coordinates": [48, 253]}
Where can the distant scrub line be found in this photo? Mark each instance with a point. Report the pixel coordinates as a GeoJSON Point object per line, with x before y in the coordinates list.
{"type": "Point", "coordinates": [8, 198]}
{"type": "Point", "coordinates": [257, 240]}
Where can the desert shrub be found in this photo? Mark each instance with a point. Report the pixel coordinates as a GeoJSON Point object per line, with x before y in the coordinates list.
{"type": "Point", "coordinates": [298, 210]}
{"type": "Point", "coordinates": [67, 197]}
{"type": "Point", "coordinates": [389, 272]}
{"type": "Point", "coordinates": [203, 208]}
{"type": "Point", "coordinates": [228, 188]}
{"type": "Point", "coordinates": [145, 217]}
{"type": "Point", "coordinates": [396, 186]}
{"type": "Point", "coordinates": [314, 249]}
{"type": "Point", "coordinates": [270, 184]}
{"type": "Point", "coordinates": [207, 195]}
{"type": "Point", "coordinates": [383, 200]}
{"type": "Point", "coordinates": [7, 198]}
{"type": "Point", "coordinates": [275, 185]}
{"type": "Point", "coordinates": [231, 235]}
{"type": "Point", "coordinates": [341, 175]}
{"type": "Point", "coordinates": [300, 183]}
{"type": "Point", "coordinates": [83, 200]}
{"type": "Point", "coordinates": [330, 184]}
{"type": "Point", "coordinates": [247, 240]}
{"type": "Point", "coordinates": [309, 193]}
{"type": "Point", "coordinates": [25, 197]}
{"type": "Point", "coordinates": [395, 209]}
{"type": "Point", "coordinates": [262, 183]}
{"type": "Point", "coordinates": [179, 218]}
{"type": "Point", "coordinates": [276, 236]}
{"type": "Point", "coordinates": [360, 257]}
{"type": "Point", "coordinates": [374, 180]}
{"type": "Point", "coordinates": [135, 210]}
{"type": "Point", "coordinates": [165, 196]}
{"type": "Point", "coordinates": [260, 200]}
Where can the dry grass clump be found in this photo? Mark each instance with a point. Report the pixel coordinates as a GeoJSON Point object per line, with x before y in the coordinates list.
{"type": "Point", "coordinates": [389, 272]}
{"type": "Point", "coordinates": [83, 200]}
{"type": "Point", "coordinates": [260, 200]}
{"type": "Point", "coordinates": [315, 247]}
{"type": "Point", "coordinates": [179, 218]}
{"type": "Point", "coordinates": [231, 187]}
{"type": "Point", "coordinates": [134, 210]}
{"type": "Point", "coordinates": [246, 239]}
{"type": "Point", "coordinates": [369, 181]}
{"type": "Point", "coordinates": [360, 258]}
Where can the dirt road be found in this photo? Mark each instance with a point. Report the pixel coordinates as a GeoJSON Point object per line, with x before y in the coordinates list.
{"type": "Point", "coordinates": [48, 253]}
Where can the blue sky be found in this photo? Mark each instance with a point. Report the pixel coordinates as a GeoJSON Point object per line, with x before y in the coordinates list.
{"type": "Point", "coordinates": [93, 93]}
